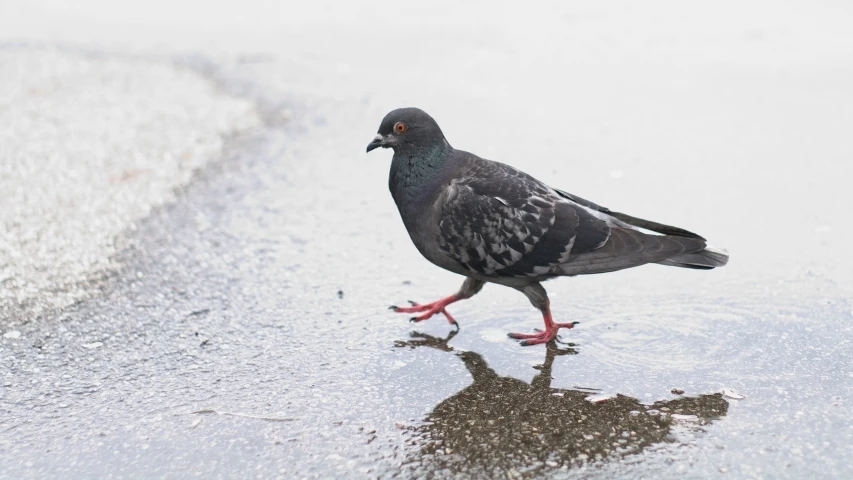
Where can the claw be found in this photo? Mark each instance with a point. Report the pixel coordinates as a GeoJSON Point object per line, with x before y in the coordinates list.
{"type": "Point", "coordinates": [412, 303]}
{"type": "Point", "coordinates": [392, 307]}
{"type": "Point", "coordinates": [566, 325]}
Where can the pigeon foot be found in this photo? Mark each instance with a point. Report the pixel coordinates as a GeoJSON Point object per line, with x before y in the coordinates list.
{"type": "Point", "coordinates": [542, 336]}
{"type": "Point", "coordinates": [429, 309]}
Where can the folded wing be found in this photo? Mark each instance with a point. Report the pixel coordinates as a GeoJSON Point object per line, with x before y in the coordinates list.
{"type": "Point", "coordinates": [500, 222]}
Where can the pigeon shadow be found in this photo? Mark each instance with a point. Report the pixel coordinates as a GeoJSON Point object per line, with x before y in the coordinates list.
{"type": "Point", "coordinates": [500, 426]}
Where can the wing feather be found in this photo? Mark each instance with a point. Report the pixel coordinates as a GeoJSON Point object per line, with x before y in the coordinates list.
{"type": "Point", "coordinates": [498, 221]}
{"type": "Point", "coordinates": [629, 248]}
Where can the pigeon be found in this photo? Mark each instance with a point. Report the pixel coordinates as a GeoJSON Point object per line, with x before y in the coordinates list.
{"type": "Point", "coordinates": [492, 223]}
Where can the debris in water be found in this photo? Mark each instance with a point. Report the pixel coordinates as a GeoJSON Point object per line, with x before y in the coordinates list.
{"type": "Point", "coordinates": [340, 294]}
{"type": "Point", "coordinates": [600, 398]}
{"type": "Point", "coordinates": [729, 393]}
{"type": "Point", "coordinates": [244, 415]}
{"type": "Point", "coordinates": [677, 391]}
{"type": "Point", "coordinates": [92, 345]}
{"type": "Point", "coordinates": [684, 418]}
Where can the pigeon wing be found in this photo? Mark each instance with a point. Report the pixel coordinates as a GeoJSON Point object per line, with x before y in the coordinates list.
{"type": "Point", "coordinates": [498, 221]}
{"type": "Point", "coordinates": [628, 220]}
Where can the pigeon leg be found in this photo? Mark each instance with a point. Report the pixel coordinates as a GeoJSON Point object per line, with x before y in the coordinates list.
{"type": "Point", "coordinates": [468, 290]}
{"type": "Point", "coordinates": [539, 298]}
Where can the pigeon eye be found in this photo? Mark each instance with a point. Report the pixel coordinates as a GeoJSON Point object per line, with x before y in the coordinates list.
{"type": "Point", "coordinates": [400, 127]}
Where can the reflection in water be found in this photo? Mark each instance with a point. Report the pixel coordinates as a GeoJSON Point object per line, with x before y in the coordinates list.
{"type": "Point", "coordinates": [501, 425]}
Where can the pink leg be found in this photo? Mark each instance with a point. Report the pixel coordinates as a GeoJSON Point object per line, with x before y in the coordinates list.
{"type": "Point", "coordinates": [543, 336]}
{"type": "Point", "coordinates": [429, 309]}
{"type": "Point", "coordinates": [468, 290]}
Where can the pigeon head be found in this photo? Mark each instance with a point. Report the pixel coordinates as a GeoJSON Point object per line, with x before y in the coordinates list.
{"type": "Point", "coordinates": [407, 128]}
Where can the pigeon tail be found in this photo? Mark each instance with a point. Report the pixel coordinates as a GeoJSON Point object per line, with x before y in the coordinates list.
{"type": "Point", "coordinates": [705, 259]}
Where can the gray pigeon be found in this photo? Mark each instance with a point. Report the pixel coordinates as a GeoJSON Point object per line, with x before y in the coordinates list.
{"type": "Point", "coordinates": [492, 223]}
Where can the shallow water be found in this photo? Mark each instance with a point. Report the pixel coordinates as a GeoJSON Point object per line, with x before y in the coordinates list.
{"type": "Point", "coordinates": [263, 293]}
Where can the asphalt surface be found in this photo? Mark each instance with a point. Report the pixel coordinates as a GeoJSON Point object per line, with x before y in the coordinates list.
{"type": "Point", "coordinates": [247, 332]}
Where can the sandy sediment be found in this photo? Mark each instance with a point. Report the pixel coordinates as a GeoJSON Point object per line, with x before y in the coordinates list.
{"type": "Point", "coordinates": [89, 145]}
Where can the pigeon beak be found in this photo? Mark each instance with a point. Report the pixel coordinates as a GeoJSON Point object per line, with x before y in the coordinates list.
{"type": "Point", "coordinates": [378, 141]}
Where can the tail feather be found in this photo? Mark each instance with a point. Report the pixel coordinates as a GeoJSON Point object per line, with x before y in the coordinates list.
{"type": "Point", "coordinates": [628, 247]}
{"type": "Point", "coordinates": [705, 259]}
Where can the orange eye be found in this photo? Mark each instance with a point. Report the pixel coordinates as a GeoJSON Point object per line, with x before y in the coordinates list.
{"type": "Point", "coordinates": [400, 127]}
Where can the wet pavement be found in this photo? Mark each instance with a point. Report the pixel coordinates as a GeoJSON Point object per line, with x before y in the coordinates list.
{"type": "Point", "coordinates": [247, 333]}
